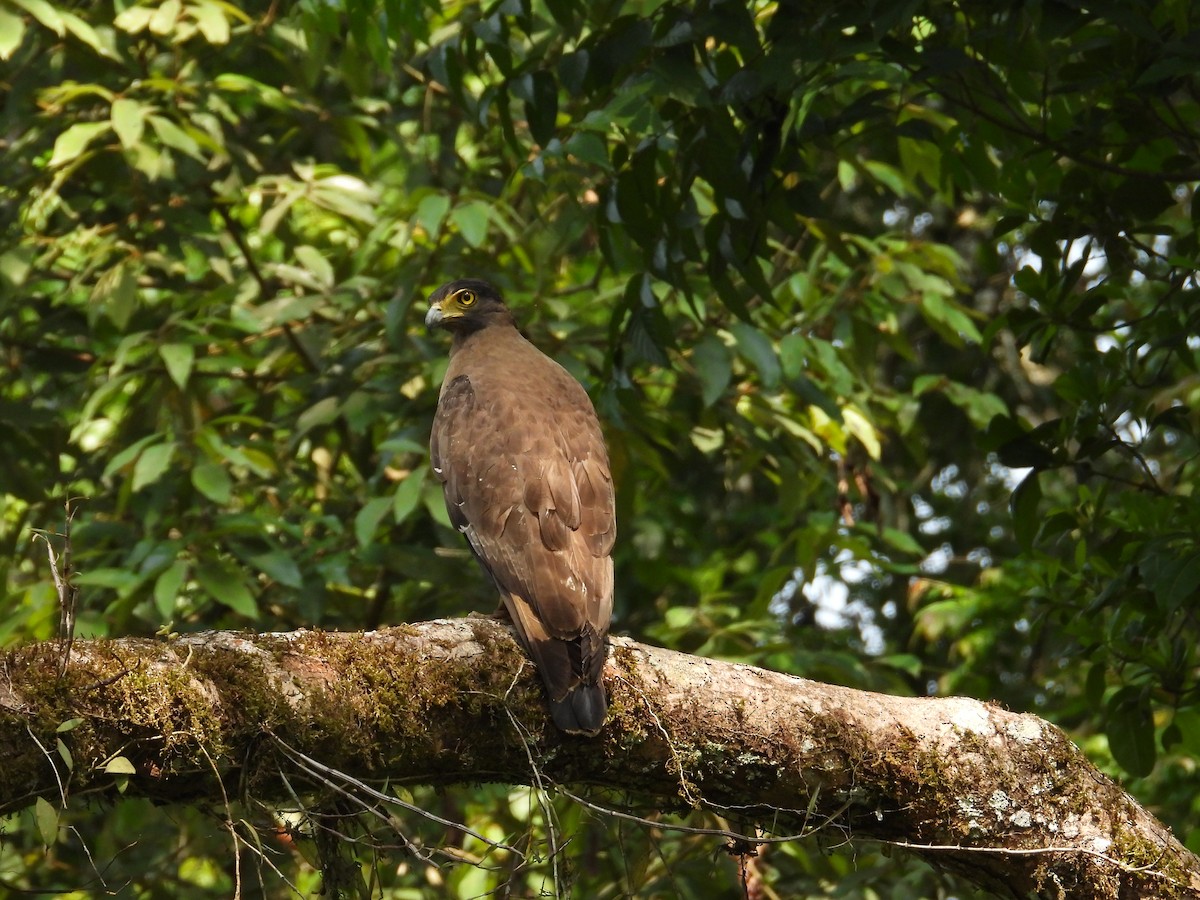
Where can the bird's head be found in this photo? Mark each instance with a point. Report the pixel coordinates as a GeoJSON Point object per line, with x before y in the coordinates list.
{"type": "Point", "coordinates": [466, 305]}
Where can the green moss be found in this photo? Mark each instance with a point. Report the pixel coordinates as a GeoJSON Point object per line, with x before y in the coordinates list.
{"type": "Point", "coordinates": [1140, 852]}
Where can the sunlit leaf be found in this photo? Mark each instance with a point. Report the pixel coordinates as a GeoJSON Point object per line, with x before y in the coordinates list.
{"type": "Point", "coordinates": [174, 136]}
{"type": "Point", "coordinates": [116, 294]}
{"type": "Point", "coordinates": [119, 765]}
{"type": "Point", "coordinates": [134, 18]}
{"type": "Point", "coordinates": [45, 14]}
{"type": "Point", "coordinates": [166, 17]}
{"type": "Point", "coordinates": [471, 219]}
{"type": "Point", "coordinates": [313, 261]}
{"type": "Point", "coordinates": [178, 359]}
{"type": "Point", "coordinates": [212, 21]}
{"type": "Point", "coordinates": [46, 817]}
{"type": "Point", "coordinates": [75, 140]}
{"type": "Point", "coordinates": [152, 464]}
{"type": "Point", "coordinates": [81, 29]}
{"type": "Point", "coordinates": [12, 30]}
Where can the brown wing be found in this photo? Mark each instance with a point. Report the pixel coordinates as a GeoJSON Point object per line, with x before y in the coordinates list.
{"type": "Point", "coordinates": [526, 479]}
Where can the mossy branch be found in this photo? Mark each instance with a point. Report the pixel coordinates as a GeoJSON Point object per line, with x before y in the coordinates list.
{"type": "Point", "coordinates": [1004, 799]}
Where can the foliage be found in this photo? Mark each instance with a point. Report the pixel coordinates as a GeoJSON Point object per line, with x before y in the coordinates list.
{"type": "Point", "coordinates": [889, 308]}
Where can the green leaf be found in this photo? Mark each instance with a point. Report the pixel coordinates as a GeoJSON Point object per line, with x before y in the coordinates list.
{"type": "Point", "coordinates": [12, 31]}
{"type": "Point", "coordinates": [116, 294]}
{"type": "Point", "coordinates": [119, 765]}
{"type": "Point", "coordinates": [714, 365]}
{"type": "Point", "coordinates": [860, 426]}
{"type": "Point", "coordinates": [793, 352]}
{"type": "Point", "coordinates": [134, 18]}
{"type": "Point", "coordinates": [280, 567]}
{"type": "Point", "coordinates": [368, 519]}
{"type": "Point", "coordinates": [166, 17]}
{"type": "Point", "coordinates": [70, 145]}
{"type": "Point", "coordinates": [956, 324]}
{"type": "Point", "coordinates": [1173, 578]}
{"type": "Point", "coordinates": [320, 413]}
{"type": "Point", "coordinates": [107, 577]}
{"type": "Point", "coordinates": [128, 121]}
{"type": "Point", "coordinates": [152, 464]}
{"type": "Point", "coordinates": [589, 148]}
{"type": "Point", "coordinates": [84, 32]}
{"type": "Point", "coordinates": [1130, 731]}
{"type": "Point", "coordinates": [167, 587]}
{"type": "Point", "coordinates": [431, 212]}
{"type": "Point", "coordinates": [69, 725]}
{"type": "Point", "coordinates": [64, 753]}
{"type": "Point", "coordinates": [210, 19]}
{"type": "Point", "coordinates": [903, 541]}
{"type": "Point", "coordinates": [541, 109]}
{"type": "Point", "coordinates": [1095, 684]}
{"type": "Point", "coordinates": [126, 456]}
{"type": "Point", "coordinates": [345, 195]}
{"type": "Point", "coordinates": [213, 481]}
{"type": "Point", "coordinates": [981, 406]}
{"type": "Point", "coordinates": [178, 359]}
{"type": "Point", "coordinates": [471, 219]}
{"type": "Point", "coordinates": [408, 493]}
{"type": "Point", "coordinates": [755, 346]}
{"type": "Point", "coordinates": [175, 137]}
{"type": "Point", "coordinates": [1024, 506]}
{"type": "Point", "coordinates": [907, 663]}
{"type": "Point", "coordinates": [44, 13]}
{"type": "Point", "coordinates": [316, 264]}
{"type": "Point", "coordinates": [46, 817]}
{"type": "Point", "coordinates": [226, 584]}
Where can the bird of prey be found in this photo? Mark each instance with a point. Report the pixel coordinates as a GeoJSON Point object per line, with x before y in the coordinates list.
{"type": "Point", "coordinates": [524, 469]}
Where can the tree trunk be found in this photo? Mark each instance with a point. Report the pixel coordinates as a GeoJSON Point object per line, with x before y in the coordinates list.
{"type": "Point", "coordinates": [1003, 799]}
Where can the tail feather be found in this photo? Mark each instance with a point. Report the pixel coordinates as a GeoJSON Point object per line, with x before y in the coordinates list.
{"type": "Point", "coordinates": [582, 711]}
{"type": "Point", "coordinates": [572, 670]}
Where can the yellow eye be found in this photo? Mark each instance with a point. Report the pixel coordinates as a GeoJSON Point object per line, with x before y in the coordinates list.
{"type": "Point", "coordinates": [466, 298]}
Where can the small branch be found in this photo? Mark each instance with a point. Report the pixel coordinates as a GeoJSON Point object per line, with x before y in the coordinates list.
{"type": "Point", "coordinates": [68, 594]}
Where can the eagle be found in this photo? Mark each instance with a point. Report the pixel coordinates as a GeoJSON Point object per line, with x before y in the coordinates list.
{"type": "Point", "coordinates": [523, 465]}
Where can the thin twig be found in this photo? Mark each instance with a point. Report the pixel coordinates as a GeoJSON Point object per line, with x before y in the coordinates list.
{"type": "Point", "coordinates": [317, 768]}
{"type": "Point", "coordinates": [68, 594]}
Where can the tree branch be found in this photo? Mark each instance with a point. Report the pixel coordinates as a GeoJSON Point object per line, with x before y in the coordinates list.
{"type": "Point", "coordinates": [1003, 799]}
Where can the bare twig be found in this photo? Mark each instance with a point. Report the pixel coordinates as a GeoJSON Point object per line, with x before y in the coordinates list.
{"type": "Point", "coordinates": [325, 773]}
{"type": "Point", "coordinates": [68, 594]}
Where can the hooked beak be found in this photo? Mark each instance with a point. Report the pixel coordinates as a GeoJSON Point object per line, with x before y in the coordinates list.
{"type": "Point", "coordinates": [434, 317]}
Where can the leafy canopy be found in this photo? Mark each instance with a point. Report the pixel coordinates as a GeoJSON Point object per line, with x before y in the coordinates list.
{"type": "Point", "coordinates": [890, 310]}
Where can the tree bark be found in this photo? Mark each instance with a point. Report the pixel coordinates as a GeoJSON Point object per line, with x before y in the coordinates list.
{"type": "Point", "coordinates": [1003, 799]}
